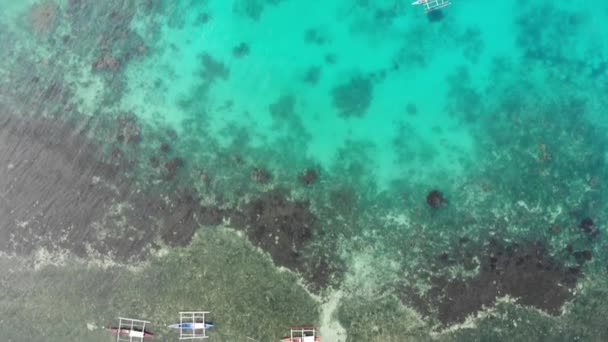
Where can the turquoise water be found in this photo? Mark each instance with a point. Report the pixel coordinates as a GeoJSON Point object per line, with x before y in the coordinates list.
{"type": "Point", "coordinates": [384, 174]}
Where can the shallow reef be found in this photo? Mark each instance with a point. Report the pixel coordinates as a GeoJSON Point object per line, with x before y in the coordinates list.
{"type": "Point", "coordinates": [524, 271]}
{"type": "Point", "coordinates": [160, 155]}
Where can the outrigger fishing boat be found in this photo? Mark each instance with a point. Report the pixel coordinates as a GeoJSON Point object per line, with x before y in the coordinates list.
{"type": "Point", "coordinates": [192, 325]}
{"type": "Point", "coordinates": [432, 5]}
{"type": "Point", "coordinates": [130, 330]}
{"type": "Point", "coordinates": [303, 333]}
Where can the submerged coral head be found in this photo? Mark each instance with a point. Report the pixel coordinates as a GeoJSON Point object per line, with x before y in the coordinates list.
{"type": "Point", "coordinates": [261, 175]}
{"type": "Point", "coordinates": [435, 16]}
{"type": "Point", "coordinates": [309, 177]}
{"type": "Point", "coordinates": [589, 227]}
{"type": "Point", "coordinates": [435, 199]}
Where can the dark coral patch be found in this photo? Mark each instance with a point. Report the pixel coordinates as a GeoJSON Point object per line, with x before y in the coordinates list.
{"type": "Point", "coordinates": [526, 272]}
{"type": "Point", "coordinates": [213, 69]}
{"type": "Point", "coordinates": [240, 50]}
{"type": "Point", "coordinates": [180, 219]}
{"type": "Point", "coordinates": [203, 18]}
{"type": "Point", "coordinates": [284, 228]}
{"type": "Point", "coordinates": [45, 162]}
{"type": "Point", "coordinates": [283, 108]}
{"type": "Point", "coordinates": [128, 128]}
{"type": "Point", "coordinates": [261, 175]}
{"type": "Point", "coordinates": [582, 256]}
{"type": "Point", "coordinates": [154, 162]}
{"type": "Point", "coordinates": [117, 155]}
{"type": "Point", "coordinates": [435, 16]}
{"type": "Point", "coordinates": [172, 166]}
{"type": "Point", "coordinates": [279, 226]}
{"type": "Point", "coordinates": [331, 59]}
{"type": "Point", "coordinates": [354, 97]}
{"type": "Point", "coordinates": [106, 63]}
{"type": "Point", "coordinates": [435, 199]}
{"type": "Point", "coordinates": [411, 109]}
{"type": "Point", "coordinates": [313, 36]}
{"type": "Point", "coordinates": [212, 216]}
{"type": "Point", "coordinates": [588, 226]}
{"type": "Point", "coordinates": [309, 177]}
{"type": "Point", "coordinates": [312, 75]}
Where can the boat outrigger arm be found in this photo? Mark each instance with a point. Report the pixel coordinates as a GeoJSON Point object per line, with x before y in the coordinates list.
{"type": "Point", "coordinates": [432, 5]}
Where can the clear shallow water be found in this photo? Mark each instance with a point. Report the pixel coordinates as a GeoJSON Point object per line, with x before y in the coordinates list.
{"type": "Point", "coordinates": [248, 157]}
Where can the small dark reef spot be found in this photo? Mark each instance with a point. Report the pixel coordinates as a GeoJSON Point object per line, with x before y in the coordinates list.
{"type": "Point", "coordinates": [261, 175]}
{"type": "Point", "coordinates": [309, 177]}
{"type": "Point", "coordinates": [435, 16]}
{"type": "Point", "coordinates": [435, 199]}
{"type": "Point", "coordinates": [588, 226]}
{"type": "Point", "coordinates": [411, 109]}
{"type": "Point", "coordinates": [172, 166]}
{"type": "Point", "coordinates": [354, 97]}
{"type": "Point", "coordinates": [240, 50]}
{"type": "Point", "coordinates": [312, 75]}
{"type": "Point", "coordinates": [154, 162]}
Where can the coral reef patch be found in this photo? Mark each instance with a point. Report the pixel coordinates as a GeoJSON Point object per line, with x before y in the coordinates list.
{"type": "Point", "coordinates": [524, 270]}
